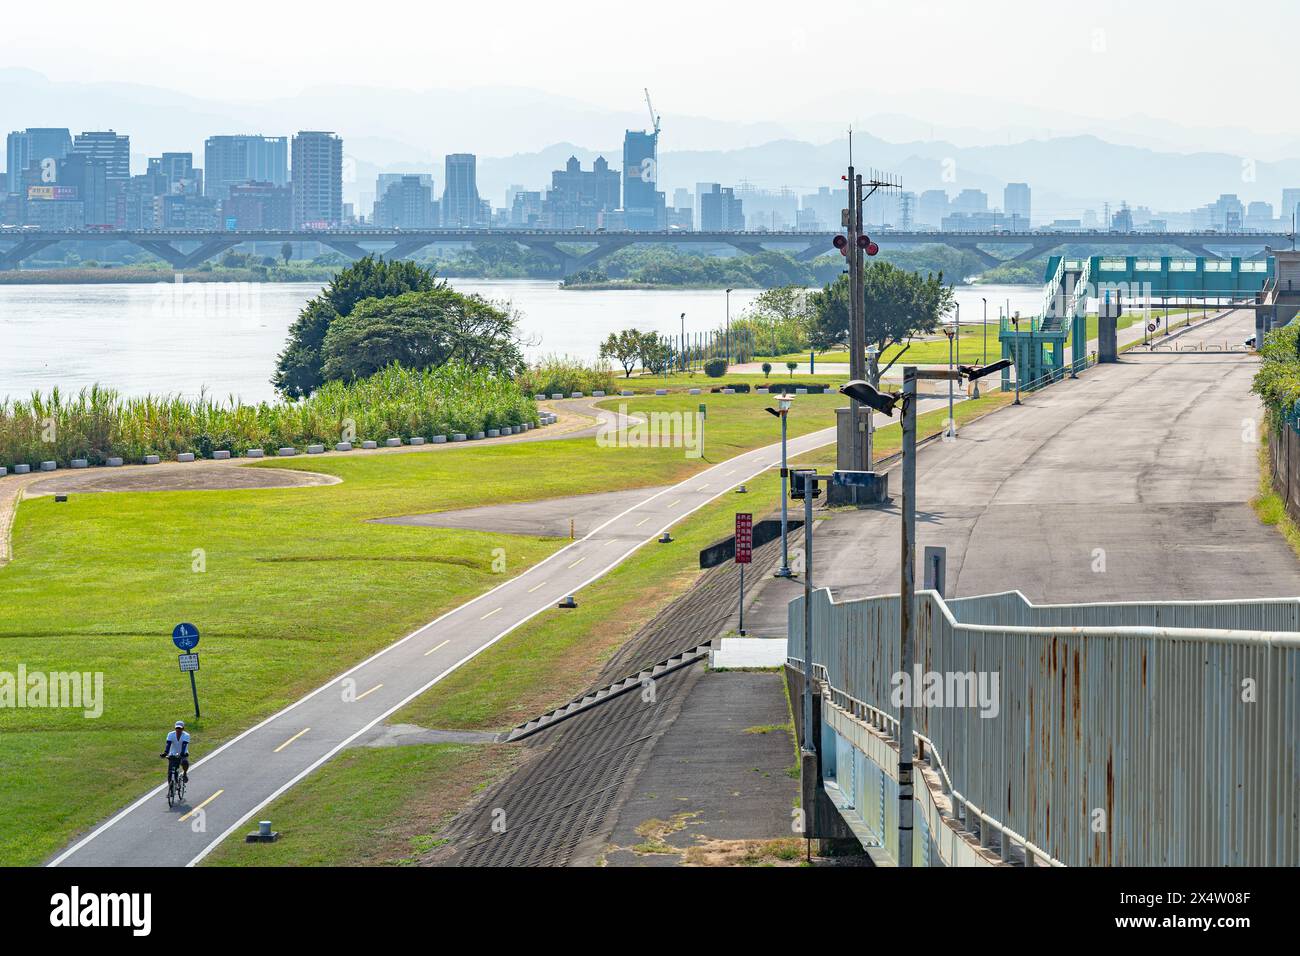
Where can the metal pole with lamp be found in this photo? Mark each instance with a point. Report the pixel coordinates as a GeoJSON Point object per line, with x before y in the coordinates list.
{"type": "Point", "coordinates": [683, 342]}
{"type": "Point", "coordinates": [1015, 322]}
{"type": "Point", "coordinates": [782, 411]}
{"type": "Point", "coordinates": [949, 433]}
{"type": "Point", "coordinates": [728, 333]}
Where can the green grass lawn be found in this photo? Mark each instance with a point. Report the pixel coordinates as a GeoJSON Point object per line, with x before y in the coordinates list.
{"type": "Point", "coordinates": [934, 351]}
{"type": "Point", "coordinates": [298, 586]}
{"type": "Point", "coordinates": [541, 664]}
{"type": "Point", "coordinates": [679, 381]}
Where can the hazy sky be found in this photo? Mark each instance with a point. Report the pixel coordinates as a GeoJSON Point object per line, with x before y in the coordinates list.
{"type": "Point", "coordinates": [743, 61]}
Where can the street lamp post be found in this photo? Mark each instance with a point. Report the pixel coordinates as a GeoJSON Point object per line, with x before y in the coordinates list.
{"type": "Point", "coordinates": [1015, 322]}
{"type": "Point", "coordinates": [782, 411]}
{"type": "Point", "coordinates": [950, 432]}
{"type": "Point", "coordinates": [683, 362]}
{"type": "Point", "coordinates": [728, 334]}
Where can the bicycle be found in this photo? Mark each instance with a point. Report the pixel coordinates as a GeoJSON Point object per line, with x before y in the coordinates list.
{"type": "Point", "coordinates": [175, 781]}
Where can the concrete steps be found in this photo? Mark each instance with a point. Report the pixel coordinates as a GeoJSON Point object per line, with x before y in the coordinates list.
{"type": "Point", "coordinates": [607, 693]}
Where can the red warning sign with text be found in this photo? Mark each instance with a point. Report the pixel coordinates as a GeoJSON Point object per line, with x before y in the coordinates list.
{"type": "Point", "coordinates": [744, 538]}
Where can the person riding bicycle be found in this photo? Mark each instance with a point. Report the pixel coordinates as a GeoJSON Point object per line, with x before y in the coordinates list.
{"type": "Point", "coordinates": [178, 747]}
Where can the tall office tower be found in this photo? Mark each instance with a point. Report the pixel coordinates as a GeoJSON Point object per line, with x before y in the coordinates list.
{"type": "Point", "coordinates": [102, 174]}
{"type": "Point", "coordinates": [971, 201]}
{"type": "Point", "coordinates": [643, 203]}
{"type": "Point", "coordinates": [461, 206]}
{"type": "Point", "coordinates": [578, 199]}
{"type": "Point", "coordinates": [1290, 201]}
{"type": "Point", "coordinates": [42, 146]}
{"type": "Point", "coordinates": [406, 203]}
{"type": "Point", "coordinates": [1016, 205]}
{"type": "Point", "coordinates": [932, 208]}
{"type": "Point", "coordinates": [230, 160]}
{"type": "Point", "coordinates": [178, 174]}
{"type": "Point", "coordinates": [317, 179]}
{"type": "Point", "coordinates": [720, 210]}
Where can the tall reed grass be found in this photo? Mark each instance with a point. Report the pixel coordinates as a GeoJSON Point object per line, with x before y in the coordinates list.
{"type": "Point", "coordinates": [97, 423]}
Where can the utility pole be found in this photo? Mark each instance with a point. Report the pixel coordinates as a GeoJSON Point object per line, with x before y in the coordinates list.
{"type": "Point", "coordinates": [857, 324]}
{"type": "Point", "coordinates": [907, 614]}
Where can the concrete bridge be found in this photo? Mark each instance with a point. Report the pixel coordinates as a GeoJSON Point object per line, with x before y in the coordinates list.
{"type": "Point", "coordinates": [573, 250]}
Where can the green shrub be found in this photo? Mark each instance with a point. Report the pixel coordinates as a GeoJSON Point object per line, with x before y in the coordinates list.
{"type": "Point", "coordinates": [560, 373]}
{"type": "Point", "coordinates": [715, 368]}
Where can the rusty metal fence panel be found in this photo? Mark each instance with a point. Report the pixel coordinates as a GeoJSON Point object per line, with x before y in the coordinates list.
{"type": "Point", "coordinates": [1126, 734]}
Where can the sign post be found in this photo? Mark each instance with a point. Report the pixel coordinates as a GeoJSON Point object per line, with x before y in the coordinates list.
{"type": "Point", "coordinates": [186, 637]}
{"type": "Point", "coordinates": [744, 555]}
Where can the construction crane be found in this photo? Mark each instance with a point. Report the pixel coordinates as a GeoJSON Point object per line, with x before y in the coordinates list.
{"type": "Point", "coordinates": [654, 120]}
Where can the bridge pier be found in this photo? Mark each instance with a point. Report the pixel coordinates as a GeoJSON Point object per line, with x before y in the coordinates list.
{"type": "Point", "coordinates": [13, 256]}
{"type": "Point", "coordinates": [185, 260]}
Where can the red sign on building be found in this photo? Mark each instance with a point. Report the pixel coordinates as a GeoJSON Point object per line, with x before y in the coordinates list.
{"type": "Point", "coordinates": [744, 538]}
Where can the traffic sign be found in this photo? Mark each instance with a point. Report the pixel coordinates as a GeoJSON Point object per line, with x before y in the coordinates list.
{"type": "Point", "coordinates": [1151, 327]}
{"type": "Point", "coordinates": [189, 662]}
{"type": "Point", "coordinates": [744, 538]}
{"type": "Point", "coordinates": [185, 636]}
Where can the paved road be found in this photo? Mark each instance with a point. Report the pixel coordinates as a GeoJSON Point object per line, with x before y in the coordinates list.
{"type": "Point", "coordinates": [1132, 482]}
{"type": "Point", "coordinates": [229, 785]}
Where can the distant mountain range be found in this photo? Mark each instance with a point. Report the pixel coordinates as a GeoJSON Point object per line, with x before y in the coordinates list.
{"type": "Point", "coordinates": [520, 135]}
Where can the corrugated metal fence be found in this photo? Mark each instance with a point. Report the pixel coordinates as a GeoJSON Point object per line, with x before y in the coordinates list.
{"type": "Point", "coordinates": [1124, 734]}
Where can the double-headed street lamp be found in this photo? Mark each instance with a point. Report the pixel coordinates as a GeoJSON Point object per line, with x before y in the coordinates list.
{"type": "Point", "coordinates": [683, 362]}
{"type": "Point", "coordinates": [782, 411]}
{"type": "Point", "coordinates": [882, 402]}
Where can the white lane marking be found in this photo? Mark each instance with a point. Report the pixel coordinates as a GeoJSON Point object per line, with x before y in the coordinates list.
{"type": "Point", "coordinates": [489, 614]}
{"type": "Point", "coordinates": [675, 503]}
{"type": "Point", "coordinates": [813, 441]}
{"type": "Point", "coordinates": [367, 693]}
{"type": "Point", "coordinates": [290, 740]}
{"type": "Point", "coordinates": [201, 806]}
{"type": "Point", "coordinates": [536, 587]}
{"type": "Point", "coordinates": [644, 520]}
{"type": "Point", "coordinates": [438, 648]}
{"type": "Point", "coordinates": [578, 562]}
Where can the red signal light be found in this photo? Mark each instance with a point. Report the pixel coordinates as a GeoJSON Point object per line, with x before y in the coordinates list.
{"type": "Point", "coordinates": [839, 242]}
{"type": "Point", "coordinates": [872, 248]}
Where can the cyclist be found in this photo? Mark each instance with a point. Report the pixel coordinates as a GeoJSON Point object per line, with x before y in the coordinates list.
{"type": "Point", "coordinates": [178, 747]}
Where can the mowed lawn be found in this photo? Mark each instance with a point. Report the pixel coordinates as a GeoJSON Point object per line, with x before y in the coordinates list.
{"type": "Point", "coordinates": [395, 801]}
{"type": "Point", "coordinates": [296, 586]}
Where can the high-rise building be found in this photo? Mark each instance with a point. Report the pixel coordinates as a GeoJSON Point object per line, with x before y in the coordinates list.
{"type": "Point", "coordinates": [772, 210]}
{"type": "Point", "coordinates": [578, 199]}
{"type": "Point", "coordinates": [228, 160]}
{"type": "Point", "coordinates": [178, 173]}
{"type": "Point", "coordinates": [257, 206]}
{"type": "Point", "coordinates": [526, 209]}
{"type": "Point", "coordinates": [317, 179]}
{"type": "Point", "coordinates": [643, 203]}
{"type": "Point", "coordinates": [42, 146]}
{"type": "Point", "coordinates": [1016, 205]}
{"type": "Point", "coordinates": [932, 208]}
{"type": "Point", "coordinates": [461, 205]}
{"type": "Point", "coordinates": [1290, 204]}
{"type": "Point", "coordinates": [106, 171]}
{"type": "Point", "coordinates": [971, 201]}
{"type": "Point", "coordinates": [720, 209]}
{"type": "Point", "coordinates": [823, 209]}
{"type": "Point", "coordinates": [406, 203]}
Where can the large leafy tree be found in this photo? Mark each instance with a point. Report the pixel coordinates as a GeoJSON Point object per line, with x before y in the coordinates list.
{"type": "Point", "coordinates": [656, 353]}
{"type": "Point", "coordinates": [899, 305]}
{"type": "Point", "coordinates": [299, 368]}
{"type": "Point", "coordinates": [421, 330]}
{"type": "Point", "coordinates": [623, 347]}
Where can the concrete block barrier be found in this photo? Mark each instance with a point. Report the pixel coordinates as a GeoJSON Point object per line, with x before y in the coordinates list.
{"type": "Point", "coordinates": [597, 394]}
{"type": "Point", "coordinates": [151, 459]}
{"type": "Point", "coordinates": [479, 436]}
{"type": "Point", "coordinates": [49, 465]}
{"type": "Point", "coordinates": [459, 436]}
{"type": "Point", "coordinates": [80, 463]}
{"type": "Point", "coordinates": [539, 398]}
{"type": "Point", "coordinates": [557, 395]}
{"type": "Point", "coordinates": [393, 442]}
{"type": "Point", "coordinates": [694, 391]}
{"type": "Point", "coordinates": [22, 469]}
{"type": "Point", "coordinates": [114, 463]}
{"type": "Point", "coordinates": [287, 452]}
{"type": "Point", "coordinates": [3, 471]}
{"type": "Point", "coordinates": [254, 453]}
{"type": "Point", "coordinates": [417, 440]}
{"type": "Point", "coordinates": [185, 456]}
{"type": "Point", "coordinates": [221, 455]}
{"type": "Point", "coordinates": [493, 433]}
{"type": "Point", "coordinates": [369, 444]}
{"type": "Point", "coordinates": [315, 449]}
{"type": "Point", "coordinates": [343, 446]}
{"type": "Point", "coordinates": [661, 391]}
{"type": "Point", "coordinates": [626, 392]}
{"type": "Point", "coordinates": [575, 395]}
{"type": "Point", "coordinates": [438, 440]}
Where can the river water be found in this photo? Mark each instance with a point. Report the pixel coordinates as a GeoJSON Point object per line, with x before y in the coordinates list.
{"type": "Point", "coordinates": [223, 337]}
